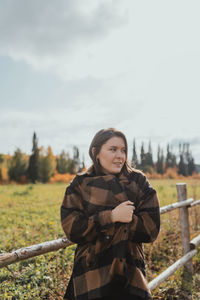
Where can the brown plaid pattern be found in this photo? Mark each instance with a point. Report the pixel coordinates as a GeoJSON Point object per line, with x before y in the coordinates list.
{"type": "Point", "coordinates": [109, 251]}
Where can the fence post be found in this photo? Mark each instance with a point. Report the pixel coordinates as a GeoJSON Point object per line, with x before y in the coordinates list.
{"type": "Point", "coordinates": [185, 235]}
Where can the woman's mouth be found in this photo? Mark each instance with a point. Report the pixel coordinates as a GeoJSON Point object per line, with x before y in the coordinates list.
{"type": "Point", "coordinates": [118, 164]}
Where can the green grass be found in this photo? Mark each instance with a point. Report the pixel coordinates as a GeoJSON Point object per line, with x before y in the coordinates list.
{"type": "Point", "coordinates": [30, 214]}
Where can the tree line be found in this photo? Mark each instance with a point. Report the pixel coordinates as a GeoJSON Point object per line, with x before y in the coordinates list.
{"type": "Point", "coordinates": [183, 164]}
{"type": "Point", "coordinates": [41, 165]}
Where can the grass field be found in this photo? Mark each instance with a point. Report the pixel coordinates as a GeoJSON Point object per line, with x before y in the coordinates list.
{"type": "Point", "coordinates": [30, 214]}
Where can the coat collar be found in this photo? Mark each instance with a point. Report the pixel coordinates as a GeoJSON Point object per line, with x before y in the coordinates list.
{"type": "Point", "coordinates": [116, 182]}
{"type": "Point", "coordinates": [91, 172]}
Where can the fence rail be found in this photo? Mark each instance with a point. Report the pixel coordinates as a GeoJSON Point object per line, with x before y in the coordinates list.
{"type": "Point", "coordinates": [189, 247]}
{"type": "Point", "coordinates": [32, 251]}
{"type": "Point", "coordinates": [165, 209]}
{"type": "Point", "coordinates": [169, 271]}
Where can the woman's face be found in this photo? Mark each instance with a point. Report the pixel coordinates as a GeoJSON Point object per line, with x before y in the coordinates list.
{"type": "Point", "coordinates": [112, 155]}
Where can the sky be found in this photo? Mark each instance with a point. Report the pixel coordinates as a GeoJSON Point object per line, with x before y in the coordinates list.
{"type": "Point", "coordinates": [70, 68]}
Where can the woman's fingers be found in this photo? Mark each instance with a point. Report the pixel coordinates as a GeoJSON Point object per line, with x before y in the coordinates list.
{"type": "Point", "coordinates": [123, 212]}
{"type": "Point", "coordinates": [128, 202]}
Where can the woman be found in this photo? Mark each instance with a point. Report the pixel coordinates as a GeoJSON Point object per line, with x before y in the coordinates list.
{"type": "Point", "coordinates": [109, 211]}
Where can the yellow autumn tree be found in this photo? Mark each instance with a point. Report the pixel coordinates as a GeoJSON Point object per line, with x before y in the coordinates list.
{"type": "Point", "coordinates": [47, 165]}
{"type": "Point", "coordinates": [4, 178]}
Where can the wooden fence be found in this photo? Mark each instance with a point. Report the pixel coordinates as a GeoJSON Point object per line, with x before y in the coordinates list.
{"type": "Point", "coordinates": [189, 247]}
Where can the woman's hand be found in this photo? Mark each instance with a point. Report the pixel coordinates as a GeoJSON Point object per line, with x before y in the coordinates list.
{"type": "Point", "coordinates": [123, 212]}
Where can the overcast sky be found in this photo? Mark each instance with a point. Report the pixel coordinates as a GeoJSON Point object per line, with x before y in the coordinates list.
{"type": "Point", "coordinates": [70, 68]}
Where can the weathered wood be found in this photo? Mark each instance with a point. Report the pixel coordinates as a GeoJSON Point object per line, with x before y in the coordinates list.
{"type": "Point", "coordinates": [167, 208]}
{"type": "Point", "coordinates": [184, 224]}
{"type": "Point", "coordinates": [195, 242]}
{"type": "Point", "coordinates": [169, 271]}
{"type": "Point", "coordinates": [197, 202]}
{"type": "Point", "coordinates": [34, 250]}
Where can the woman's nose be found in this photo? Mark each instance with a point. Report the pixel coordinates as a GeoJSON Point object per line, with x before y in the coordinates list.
{"type": "Point", "coordinates": [119, 154]}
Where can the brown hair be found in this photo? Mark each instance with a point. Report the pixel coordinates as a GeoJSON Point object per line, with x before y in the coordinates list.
{"type": "Point", "coordinates": [100, 138]}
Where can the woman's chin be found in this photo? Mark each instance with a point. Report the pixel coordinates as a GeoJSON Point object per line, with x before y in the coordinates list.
{"type": "Point", "coordinates": [116, 170]}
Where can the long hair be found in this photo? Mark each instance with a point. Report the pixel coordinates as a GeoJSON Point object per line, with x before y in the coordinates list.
{"type": "Point", "coordinates": [100, 138]}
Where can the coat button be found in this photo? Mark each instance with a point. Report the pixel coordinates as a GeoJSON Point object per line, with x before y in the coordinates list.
{"type": "Point", "coordinates": [107, 237]}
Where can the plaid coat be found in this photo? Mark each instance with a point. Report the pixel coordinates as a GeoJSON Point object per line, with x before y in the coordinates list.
{"type": "Point", "coordinates": [108, 251]}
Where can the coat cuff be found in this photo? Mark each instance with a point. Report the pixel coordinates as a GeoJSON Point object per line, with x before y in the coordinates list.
{"type": "Point", "coordinates": [105, 217]}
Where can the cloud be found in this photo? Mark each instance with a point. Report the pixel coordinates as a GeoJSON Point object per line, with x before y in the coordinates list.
{"type": "Point", "coordinates": [194, 141]}
{"type": "Point", "coordinates": [49, 34]}
{"type": "Point", "coordinates": [122, 64]}
{"type": "Point", "coordinates": [62, 126]}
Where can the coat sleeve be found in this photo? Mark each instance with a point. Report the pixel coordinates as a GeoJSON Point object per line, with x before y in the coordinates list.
{"type": "Point", "coordinates": [78, 227]}
{"type": "Point", "coordinates": [145, 225]}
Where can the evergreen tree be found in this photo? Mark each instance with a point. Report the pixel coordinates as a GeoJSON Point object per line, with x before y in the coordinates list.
{"type": "Point", "coordinates": [182, 166]}
{"type": "Point", "coordinates": [76, 160]}
{"type": "Point", "coordinates": [17, 166]}
{"type": "Point", "coordinates": [33, 167]}
{"type": "Point", "coordinates": [64, 163]}
{"type": "Point", "coordinates": [160, 160]}
{"type": "Point", "coordinates": [134, 161]}
{"type": "Point", "coordinates": [191, 166]}
{"type": "Point", "coordinates": [170, 158]}
{"type": "Point", "coordinates": [189, 160]}
{"type": "Point", "coordinates": [186, 164]}
{"type": "Point", "coordinates": [146, 163]}
{"type": "Point", "coordinates": [149, 157]}
{"type": "Point", "coordinates": [142, 157]}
